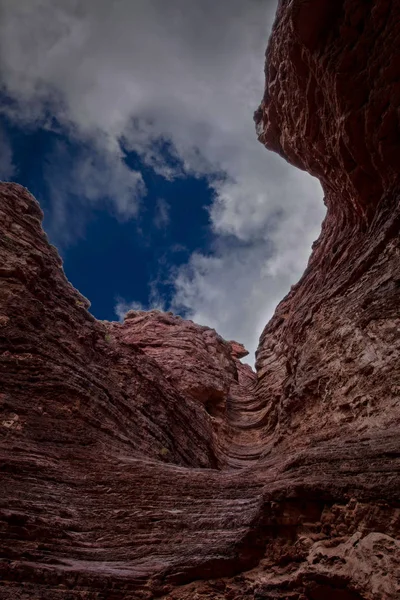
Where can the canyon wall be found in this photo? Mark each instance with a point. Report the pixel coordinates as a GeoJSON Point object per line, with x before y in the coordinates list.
{"type": "Point", "coordinates": [142, 459]}
{"type": "Point", "coordinates": [330, 355]}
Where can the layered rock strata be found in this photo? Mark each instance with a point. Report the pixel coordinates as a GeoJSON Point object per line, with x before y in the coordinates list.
{"type": "Point", "coordinates": [329, 358]}
{"type": "Point", "coordinates": [143, 459]}
{"type": "Point", "coordinates": [206, 369]}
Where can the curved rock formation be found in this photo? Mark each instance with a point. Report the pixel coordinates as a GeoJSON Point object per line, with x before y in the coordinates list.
{"type": "Point", "coordinates": [143, 459]}
{"type": "Point", "coordinates": [329, 357]}
{"type": "Point", "coordinates": [206, 369]}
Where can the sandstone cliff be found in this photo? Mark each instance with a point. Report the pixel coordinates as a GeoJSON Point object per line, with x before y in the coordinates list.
{"type": "Point", "coordinates": [143, 459]}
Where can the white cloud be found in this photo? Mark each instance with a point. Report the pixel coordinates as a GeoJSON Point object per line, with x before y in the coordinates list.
{"type": "Point", "coordinates": [91, 177]}
{"type": "Point", "coordinates": [236, 289]}
{"type": "Point", "coordinates": [161, 216]}
{"type": "Point", "coordinates": [122, 306]}
{"type": "Point", "coordinates": [147, 75]}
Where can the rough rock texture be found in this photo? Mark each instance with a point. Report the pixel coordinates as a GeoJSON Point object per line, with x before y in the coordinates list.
{"type": "Point", "coordinates": [143, 460]}
{"type": "Point", "coordinates": [204, 368]}
{"type": "Point", "coordinates": [330, 355]}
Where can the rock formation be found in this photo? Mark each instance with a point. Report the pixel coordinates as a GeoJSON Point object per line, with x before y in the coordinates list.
{"type": "Point", "coordinates": [143, 459]}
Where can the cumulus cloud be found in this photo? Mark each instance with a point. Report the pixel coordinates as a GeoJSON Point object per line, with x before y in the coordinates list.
{"type": "Point", "coordinates": [236, 289]}
{"type": "Point", "coordinates": [177, 82]}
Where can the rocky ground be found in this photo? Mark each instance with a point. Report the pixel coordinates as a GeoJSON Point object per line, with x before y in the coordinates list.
{"type": "Point", "coordinates": [143, 459]}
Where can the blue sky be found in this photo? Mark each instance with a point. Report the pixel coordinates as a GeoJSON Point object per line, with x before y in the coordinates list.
{"type": "Point", "coordinates": [132, 124]}
{"type": "Point", "coordinates": [110, 259]}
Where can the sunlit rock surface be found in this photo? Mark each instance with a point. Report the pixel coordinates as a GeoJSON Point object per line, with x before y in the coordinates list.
{"type": "Point", "coordinates": [142, 459]}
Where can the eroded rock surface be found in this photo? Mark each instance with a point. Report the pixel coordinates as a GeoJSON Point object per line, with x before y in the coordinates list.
{"type": "Point", "coordinates": [143, 459]}
{"type": "Point", "coordinates": [330, 355]}
{"type": "Point", "coordinates": [206, 369]}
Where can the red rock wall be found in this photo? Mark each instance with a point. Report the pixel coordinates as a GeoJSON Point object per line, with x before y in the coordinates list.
{"type": "Point", "coordinates": [105, 465]}
{"type": "Point", "coordinates": [206, 369]}
{"type": "Point", "coordinates": [331, 101]}
{"type": "Point", "coordinates": [143, 460]}
{"type": "Point", "coordinates": [329, 357]}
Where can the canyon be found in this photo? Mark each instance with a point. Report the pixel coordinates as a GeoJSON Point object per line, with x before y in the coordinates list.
{"type": "Point", "coordinates": [143, 459]}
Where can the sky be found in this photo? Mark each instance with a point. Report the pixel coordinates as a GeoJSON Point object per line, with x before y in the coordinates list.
{"type": "Point", "coordinates": [131, 121]}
